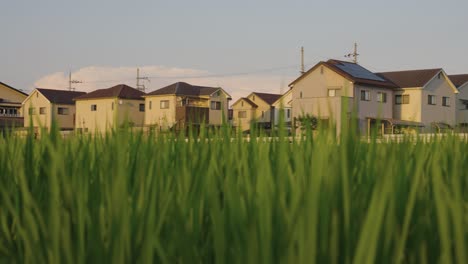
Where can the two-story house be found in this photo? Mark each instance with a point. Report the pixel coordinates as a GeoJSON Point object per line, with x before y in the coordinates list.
{"type": "Point", "coordinates": [425, 96]}
{"type": "Point", "coordinates": [255, 108]}
{"type": "Point", "coordinates": [45, 106]}
{"type": "Point", "coordinates": [106, 109]}
{"type": "Point", "coordinates": [334, 91]}
{"type": "Point", "coordinates": [461, 82]}
{"type": "Point", "coordinates": [10, 105]}
{"type": "Point", "coordinates": [181, 104]}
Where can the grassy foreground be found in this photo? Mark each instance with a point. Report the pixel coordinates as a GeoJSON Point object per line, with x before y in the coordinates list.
{"type": "Point", "coordinates": [133, 198]}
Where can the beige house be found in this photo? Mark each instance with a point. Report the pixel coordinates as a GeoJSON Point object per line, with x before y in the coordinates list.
{"type": "Point", "coordinates": [255, 108]}
{"type": "Point", "coordinates": [283, 106]}
{"type": "Point", "coordinates": [334, 88]}
{"type": "Point", "coordinates": [181, 104]}
{"type": "Point", "coordinates": [461, 82]}
{"type": "Point", "coordinates": [106, 109]}
{"type": "Point", "coordinates": [43, 106]}
{"type": "Point", "coordinates": [10, 105]}
{"type": "Point", "coordinates": [424, 96]}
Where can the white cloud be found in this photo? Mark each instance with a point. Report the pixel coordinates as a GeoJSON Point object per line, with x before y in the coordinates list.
{"type": "Point", "coordinates": [98, 77]}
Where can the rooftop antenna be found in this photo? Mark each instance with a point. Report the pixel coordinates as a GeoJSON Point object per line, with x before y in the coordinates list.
{"type": "Point", "coordinates": [302, 61]}
{"type": "Point", "coordinates": [71, 82]}
{"type": "Point", "coordinates": [353, 55]}
{"type": "Point", "coordinates": [139, 86]}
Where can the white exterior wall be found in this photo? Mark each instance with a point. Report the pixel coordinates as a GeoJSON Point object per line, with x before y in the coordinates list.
{"type": "Point", "coordinates": [439, 87]}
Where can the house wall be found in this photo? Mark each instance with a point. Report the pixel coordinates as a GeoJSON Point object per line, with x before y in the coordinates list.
{"type": "Point", "coordinates": [437, 113]}
{"type": "Point", "coordinates": [64, 121]}
{"type": "Point", "coordinates": [154, 115]}
{"type": "Point", "coordinates": [373, 108]}
{"type": "Point", "coordinates": [243, 123]}
{"type": "Point", "coordinates": [218, 116]}
{"type": "Point", "coordinates": [462, 112]}
{"type": "Point", "coordinates": [411, 111]}
{"type": "Point", "coordinates": [10, 95]}
{"type": "Point", "coordinates": [35, 101]}
{"type": "Point", "coordinates": [110, 113]}
{"type": "Point", "coordinates": [263, 113]}
{"type": "Point", "coordinates": [283, 106]}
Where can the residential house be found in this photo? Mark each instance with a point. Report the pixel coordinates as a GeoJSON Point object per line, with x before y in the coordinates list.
{"type": "Point", "coordinates": [424, 96]}
{"type": "Point", "coordinates": [105, 109]}
{"type": "Point", "coordinates": [334, 88]}
{"type": "Point", "coordinates": [255, 108]}
{"type": "Point", "coordinates": [283, 106]}
{"type": "Point", "coordinates": [181, 104]}
{"type": "Point", "coordinates": [43, 106]}
{"type": "Point", "coordinates": [10, 105]}
{"type": "Point", "coordinates": [461, 82]}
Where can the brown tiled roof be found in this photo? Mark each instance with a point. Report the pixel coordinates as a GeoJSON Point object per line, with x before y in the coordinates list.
{"type": "Point", "coordinates": [182, 88]}
{"type": "Point", "coordinates": [459, 79]}
{"type": "Point", "coordinates": [414, 78]}
{"type": "Point", "coordinates": [14, 89]}
{"type": "Point", "coordinates": [60, 96]}
{"type": "Point", "coordinates": [119, 91]}
{"type": "Point", "coordinates": [353, 72]}
{"type": "Point", "coordinates": [268, 98]}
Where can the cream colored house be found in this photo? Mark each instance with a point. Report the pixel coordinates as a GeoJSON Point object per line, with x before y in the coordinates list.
{"type": "Point", "coordinates": [255, 108]}
{"type": "Point", "coordinates": [334, 88]}
{"type": "Point", "coordinates": [106, 109]}
{"type": "Point", "coordinates": [181, 104]}
{"type": "Point", "coordinates": [461, 82]}
{"type": "Point", "coordinates": [10, 105]}
{"type": "Point", "coordinates": [283, 106]}
{"type": "Point", "coordinates": [424, 96]}
{"type": "Point", "coordinates": [43, 106]}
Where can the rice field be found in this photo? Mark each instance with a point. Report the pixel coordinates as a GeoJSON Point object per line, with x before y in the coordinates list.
{"type": "Point", "coordinates": [217, 198]}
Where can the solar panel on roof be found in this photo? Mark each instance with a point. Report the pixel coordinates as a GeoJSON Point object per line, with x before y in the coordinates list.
{"type": "Point", "coordinates": [358, 72]}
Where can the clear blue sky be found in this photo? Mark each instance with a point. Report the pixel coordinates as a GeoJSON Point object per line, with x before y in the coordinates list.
{"type": "Point", "coordinates": [43, 37]}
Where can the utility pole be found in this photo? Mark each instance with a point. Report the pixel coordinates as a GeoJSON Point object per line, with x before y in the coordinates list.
{"type": "Point", "coordinates": [71, 82]}
{"type": "Point", "coordinates": [302, 61]}
{"type": "Point", "coordinates": [139, 86]}
{"type": "Point", "coordinates": [354, 55]}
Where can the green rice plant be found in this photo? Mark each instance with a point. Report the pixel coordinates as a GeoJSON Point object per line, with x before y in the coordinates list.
{"type": "Point", "coordinates": [216, 197]}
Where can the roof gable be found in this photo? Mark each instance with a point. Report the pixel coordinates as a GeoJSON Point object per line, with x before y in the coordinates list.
{"type": "Point", "coordinates": [286, 94]}
{"type": "Point", "coordinates": [59, 96]}
{"type": "Point", "coordinates": [246, 100]}
{"type": "Point", "coordinates": [121, 91]}
{"type": "Point", "coordinates": [352, 72]}
{"type": "Point", "coordinates": [14, 89]}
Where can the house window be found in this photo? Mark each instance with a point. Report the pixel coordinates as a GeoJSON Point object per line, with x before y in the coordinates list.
{"type": "Point", "coordinates": [288, 113]}
{"type": "Point", "coordinates": [164, 104]}
{"type": "Point", "coordinates": [242, 103]}
{"type": "Point", "coordinates": [446, 101]}
{"type": "Point", "coordinates": [381, 97]}
{"type": "Point", "coordinates": [333, 92]}
{"type": "Point", "coordinates": [253, 98]}
{"type": "Point", "coordinates": [365, 95]}
{"type": "Point", "coordinates": [150, 105]}
{"type": "Point", "coordinates": [300, 94]}
{"type": "Point", "coordinates": [402, 99]}
{"type": "Point", "coordinates": [242, 114]}
{"type": "Point", "coordinates": [321, 70]}
{"type": "Point", "coordinates": [42, 110]}
{"type": "Point", "coordinates": [93, 107]}
{"type": "Point", "coordinates": [62, 111]}
{"type": "Point", "coordinates": [32, 111]}
{"type": "Point", "coordinates": [215, 105]}
{"type": "Point", "coordinates": [431, 99]}
{"type": "Point", "coordinates": [142, 107]}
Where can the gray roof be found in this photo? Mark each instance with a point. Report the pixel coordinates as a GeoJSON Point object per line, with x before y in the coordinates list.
{"type": "Point", "coordinates": [182, 88]}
